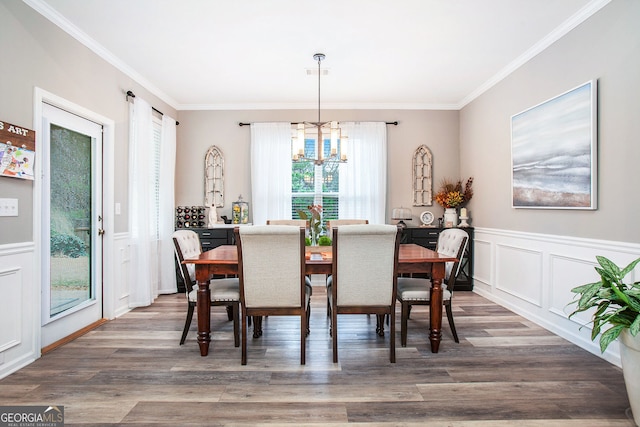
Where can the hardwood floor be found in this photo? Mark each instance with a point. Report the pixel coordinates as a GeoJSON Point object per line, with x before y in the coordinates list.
{"type": "Point", "coordinates": [505, 371]}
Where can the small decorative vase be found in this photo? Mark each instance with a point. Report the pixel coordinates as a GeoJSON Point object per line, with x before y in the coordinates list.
{"type": "Point", "coordinates": [630, 356]}
{"type": "Point", "coordinates": [450, 217]}
{"type": "Point", "coordinates": [313, 237]}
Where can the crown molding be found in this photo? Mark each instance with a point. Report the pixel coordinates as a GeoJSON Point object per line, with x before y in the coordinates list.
{"type": "Point", "coordinates": [52, 15]}
{"type": "Point", "coordinates": [578, 18]}
{"type": "Point", "coordinates": [310, 106]}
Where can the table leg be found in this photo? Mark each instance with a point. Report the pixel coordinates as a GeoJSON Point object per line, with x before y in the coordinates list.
{"type": "Point", "coordinates": [204, 314]}
{"type": "Point", "coordinates": [435, 310]}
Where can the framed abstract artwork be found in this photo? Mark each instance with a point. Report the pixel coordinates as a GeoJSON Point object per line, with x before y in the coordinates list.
{"type": "Point", "coordinates": [554, 152]}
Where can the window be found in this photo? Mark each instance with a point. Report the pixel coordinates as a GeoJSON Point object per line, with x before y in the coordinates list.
{"type": "Point", "coordinates": [315, 185]}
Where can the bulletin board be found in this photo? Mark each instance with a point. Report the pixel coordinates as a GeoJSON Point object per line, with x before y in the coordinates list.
{"type": "Point", "coordinates": [17, 151]}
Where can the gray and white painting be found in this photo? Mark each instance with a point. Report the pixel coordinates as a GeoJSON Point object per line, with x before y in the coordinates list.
{"type": "Point", "coordinates": [552, 152]}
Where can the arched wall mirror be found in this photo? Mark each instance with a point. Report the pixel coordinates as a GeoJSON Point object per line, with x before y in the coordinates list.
{"type": "Point", "coordinates": [214, 178]}
{"type": "Point", "coordinates": [422, 177]}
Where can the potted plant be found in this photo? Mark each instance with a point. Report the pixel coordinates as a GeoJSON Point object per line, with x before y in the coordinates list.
{"type": "Point", "coordinates": [617, 305]}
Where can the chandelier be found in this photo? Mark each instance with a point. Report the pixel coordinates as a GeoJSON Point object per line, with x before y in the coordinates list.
{"type": "Point", "coordinates": [320, 131]}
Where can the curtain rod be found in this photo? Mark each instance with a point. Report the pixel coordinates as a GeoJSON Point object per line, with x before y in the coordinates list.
{"type": "Point", "coordinates": [132, 95]}
{"type": "Point", "coordinates": [295, 123]}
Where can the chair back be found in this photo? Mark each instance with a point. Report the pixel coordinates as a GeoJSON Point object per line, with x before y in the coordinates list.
{"type": "Point", "coordinates": [365, 264]}
{"type": "Point", "coordinates": [298, 222]}
{"type": "Point", "coordinates": [452, 242]}
{"type": "Point", "coordinates": [332, 223]}
{"type": "Point", "coordinates": [271, 262]}
{"type": "Point", "coordinates": [187, 245]}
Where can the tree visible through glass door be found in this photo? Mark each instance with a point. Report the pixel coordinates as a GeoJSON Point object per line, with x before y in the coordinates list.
{"type": "Point", "coordinates": [70, 219]}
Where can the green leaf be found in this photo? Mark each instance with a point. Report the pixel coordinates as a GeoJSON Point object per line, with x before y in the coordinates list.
{"type": "Point", "coordinates": [588, 294]}
{"type": "Point", "coordinates": [635, 326]}
{"type": "Point", "coordinates": [620, 294]}
{"type": "Point", "coordinates": [580, 289]}
{"type": "Point", "coordinates": [628, 268]}
{"type": "Point", "coordinates": [609, 336]}
{"type": "Point", "coordinates": [610, 267]}
{"type": "Point", "coordinates": [634, 302]}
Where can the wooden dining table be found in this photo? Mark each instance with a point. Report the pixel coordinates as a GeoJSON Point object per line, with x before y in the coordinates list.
{"type": "Point", "coordinates": [412, 258]}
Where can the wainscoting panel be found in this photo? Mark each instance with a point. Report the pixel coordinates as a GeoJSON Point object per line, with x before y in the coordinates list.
{"type": "Point", "coordinates": [533, 274]}
{"type": "Point", "coordinates": [567, 273]}
{"type": "Point", "coordinates": [121, 282]}
{"type": "Point", "coordinates": [482, 264]}
{"type": "Point", "coordinates": [19, 308]}
{"type": "Point", "coordinates": [522, 280]}
{"type": "Point", "coordinates": [11, 287]}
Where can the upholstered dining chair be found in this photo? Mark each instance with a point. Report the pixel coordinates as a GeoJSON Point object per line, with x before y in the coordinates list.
{"type": "Point", "coordinates": [271, 268]}
{"type": "Point", "coordinates": [331, 224]}
{"type": "Point", "coordinates": [364, 275]}
{"type": "Point", "coordinates": [415, 291]}
{"type": "Point", "coordinates": [224, 292]}
{"type": "Point", "coordinates": [298, 222]}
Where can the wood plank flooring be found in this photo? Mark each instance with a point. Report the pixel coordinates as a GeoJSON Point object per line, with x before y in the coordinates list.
{"type": "Point", "coordinates": [505, 371]}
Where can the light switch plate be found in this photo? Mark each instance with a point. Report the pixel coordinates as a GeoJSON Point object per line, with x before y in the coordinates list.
{"type": "Point", "coordinates": [8, 207]}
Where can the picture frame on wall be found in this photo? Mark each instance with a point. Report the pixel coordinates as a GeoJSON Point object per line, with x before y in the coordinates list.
{"type": "Point", "coordinates": [554, 152]}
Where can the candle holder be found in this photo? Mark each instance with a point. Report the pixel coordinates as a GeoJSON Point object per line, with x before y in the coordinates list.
{"type": "Point", "coordinates": [463, 221]}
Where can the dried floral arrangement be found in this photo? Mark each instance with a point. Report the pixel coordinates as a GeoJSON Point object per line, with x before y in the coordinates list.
{"type": "Point", "coordinates": [453, 195]}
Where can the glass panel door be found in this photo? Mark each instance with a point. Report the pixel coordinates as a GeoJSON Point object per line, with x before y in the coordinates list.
{"type": "Point", "coordinates": [71, 224]}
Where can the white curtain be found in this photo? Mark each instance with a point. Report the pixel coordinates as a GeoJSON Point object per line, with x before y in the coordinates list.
{"type": "Point", "coordinates": [363, 179]}
{"type": "Point", "coordinates": [270, 171]}
{"type": "Point", "coordinates": [149, 270]}
{"type": "Point", "coordinates": [167, 271]}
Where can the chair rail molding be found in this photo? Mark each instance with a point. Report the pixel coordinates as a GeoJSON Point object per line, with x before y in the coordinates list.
{"type": "Point", "coordinates": [533, 274]}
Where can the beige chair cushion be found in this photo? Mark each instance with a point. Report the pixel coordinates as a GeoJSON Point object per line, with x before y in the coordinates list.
{"type": "Point", "coordinates": [221, 290]}
{"type": "Point", "coordinates": [413, 289]}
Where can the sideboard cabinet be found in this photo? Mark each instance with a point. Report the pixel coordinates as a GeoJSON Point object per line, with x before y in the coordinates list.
{"type": "Point", "coordinates": [428, 237]}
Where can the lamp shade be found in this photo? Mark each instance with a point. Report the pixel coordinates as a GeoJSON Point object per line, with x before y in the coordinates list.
{"type": "Point", "coordinates": [399, 214]}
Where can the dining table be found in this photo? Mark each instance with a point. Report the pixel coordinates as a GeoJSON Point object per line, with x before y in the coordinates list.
{"type": "Point", "coordinates": [412, 259]}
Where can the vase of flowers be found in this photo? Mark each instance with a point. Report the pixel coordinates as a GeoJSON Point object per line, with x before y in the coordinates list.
{"type": "Point", "coordinates": [452, 196]}
{"type": "Point", "coordinates": [315, 222]}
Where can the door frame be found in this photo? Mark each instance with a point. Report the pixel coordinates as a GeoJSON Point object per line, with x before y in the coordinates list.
{"type": "Point", "coordinates": [108, 172]}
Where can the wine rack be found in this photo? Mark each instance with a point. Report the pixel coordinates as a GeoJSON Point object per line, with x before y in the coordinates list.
{"type": "Point", "coordinates": [191, 217]}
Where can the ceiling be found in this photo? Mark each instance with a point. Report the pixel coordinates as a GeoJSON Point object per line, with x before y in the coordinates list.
{"type": "Point", "coordinates": [254, 54]}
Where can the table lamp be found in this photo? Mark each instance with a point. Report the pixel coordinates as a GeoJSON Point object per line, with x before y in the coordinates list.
{"type": "Point", "coordinates": [401, 214]}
